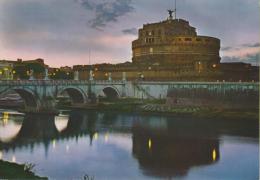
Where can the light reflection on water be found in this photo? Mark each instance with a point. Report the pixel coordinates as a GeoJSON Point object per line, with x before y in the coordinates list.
{"type": "Point", "coordinates": [120, 146]}
{"type": "Point", "coordinates": [9, 126]}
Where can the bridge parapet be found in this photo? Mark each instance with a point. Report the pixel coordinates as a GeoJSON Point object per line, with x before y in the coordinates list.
{"type": "Point", "coordinates": [58, 82]}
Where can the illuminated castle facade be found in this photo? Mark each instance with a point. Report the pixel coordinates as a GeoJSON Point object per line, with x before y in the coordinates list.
{"type": "Point", "coordinates": [174, 42]}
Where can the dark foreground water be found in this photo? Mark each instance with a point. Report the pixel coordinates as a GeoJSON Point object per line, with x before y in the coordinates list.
{"type": "Point", "coordinates": [123, 146]}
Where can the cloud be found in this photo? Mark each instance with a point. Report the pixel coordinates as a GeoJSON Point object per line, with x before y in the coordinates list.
{"type": "Point", "coordinates": [106, 11]}
{"type": "Point", "coordinates": [251, 45]}
{"type": "Point", "coordinates": [226, 48]}
{"type": "Point", "coordinates": [249, 58]}
{"type": "Point", "coordinates": [132, 31]}
{"type": "Point", "coordinates": [247, 53]}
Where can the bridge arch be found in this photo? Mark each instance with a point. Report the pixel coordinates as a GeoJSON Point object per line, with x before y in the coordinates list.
{"type": "Point", "coordinates": [77, 95]}
{"type": "Point", "coordinates": [29, 97]}
{"type": "Point", "coordinates": [111, 92]}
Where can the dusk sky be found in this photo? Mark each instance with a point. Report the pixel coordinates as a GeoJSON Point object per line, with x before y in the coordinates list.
{"type": "Point", "coordinates": [62, 32]}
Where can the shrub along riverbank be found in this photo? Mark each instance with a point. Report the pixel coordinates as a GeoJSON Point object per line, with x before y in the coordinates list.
{"type": "Point", "coordinates": [159, 107]}
{"type": "Point", "coordinates": [17, 171]}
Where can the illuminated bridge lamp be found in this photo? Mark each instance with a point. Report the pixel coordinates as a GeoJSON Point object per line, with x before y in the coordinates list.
{"type": "Point", "coordinates": [214, 155]}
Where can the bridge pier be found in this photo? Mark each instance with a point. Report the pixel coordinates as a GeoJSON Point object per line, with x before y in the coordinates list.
{"type": "Point", "coordinates": [45, 105]}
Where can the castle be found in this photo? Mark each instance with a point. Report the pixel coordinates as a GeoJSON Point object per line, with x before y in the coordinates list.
{"type": "Point", "coordinates": [174, 42]}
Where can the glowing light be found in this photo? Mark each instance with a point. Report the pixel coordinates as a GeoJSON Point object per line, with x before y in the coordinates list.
{"type": "Point", "coordinates": [13, 159]}
{"type": "Point", "coordinates": [67, 148]}
{"type": "Point", "coordinates": [5, 118]}
{"type": "Point", "coordinates": [54, 143]}
{"type": "Point", "coordinates": [106, 137]}
{"type": "Point", "coordinates": [214, 154]}
{"type": "Point", "coordinates": [1, 72]}
{"type": "Point", "coordinates": [149, 143]}
{"type": "Point", "coordinates": [95, 136]}
{"type": "Point", "coordinates": [1, 154]}
{"type": "Point", "coordinates": [214, 65]}
{"type": "Point", "coordinates": [151, 50]}
{"type": "Point", "coordinates": [14, 72]}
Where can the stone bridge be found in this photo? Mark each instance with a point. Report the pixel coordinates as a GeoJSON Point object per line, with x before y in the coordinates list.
{"type": "Point", "coordinates": [41, 95]}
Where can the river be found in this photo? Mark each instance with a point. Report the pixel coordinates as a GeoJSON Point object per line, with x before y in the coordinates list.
{"type": "Point", "coordinates": [109, 145]}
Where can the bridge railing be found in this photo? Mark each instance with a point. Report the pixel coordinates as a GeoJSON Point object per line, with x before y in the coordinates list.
{"type": "Point", "coordinates": [55, 82]}
{"type": "Point", "coordinates": [195, 82]}
{"type": "Point", "coordinates": [69, 82]}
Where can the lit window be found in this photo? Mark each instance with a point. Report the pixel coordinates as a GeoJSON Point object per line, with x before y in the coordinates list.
{"type": "Point", "coordinates": [151, 50]}
{"type": "Point", "coordinates": [188, 39]}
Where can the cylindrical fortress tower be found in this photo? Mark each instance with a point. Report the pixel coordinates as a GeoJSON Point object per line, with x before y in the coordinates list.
{"type": "Point", "coordinates": [175, 42]}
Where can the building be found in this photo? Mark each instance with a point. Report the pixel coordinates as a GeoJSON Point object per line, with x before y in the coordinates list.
{"type": "Point", "coordinates": [21, 68]}
{"type": "Point", "coordinates": [6, 70]}
{"type": "Point", "coordinates": [174, 42]}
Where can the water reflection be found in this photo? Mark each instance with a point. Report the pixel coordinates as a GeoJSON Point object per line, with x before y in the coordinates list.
{"type": "Point", "coordinates": [9, 126]}
{"type": "Point", "coordinates": [159, 146]}
{"type": "Point", "coordinates": [168, 156]}
{"type": "Point", "coordinates": [61, 122]}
